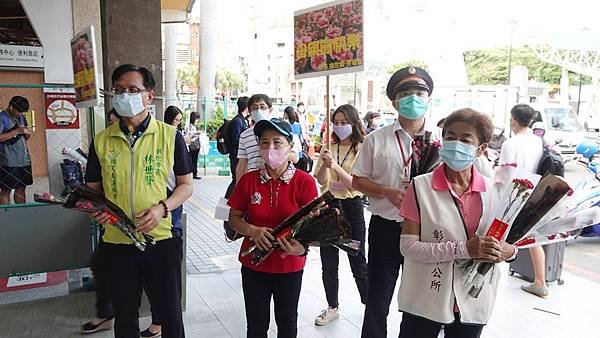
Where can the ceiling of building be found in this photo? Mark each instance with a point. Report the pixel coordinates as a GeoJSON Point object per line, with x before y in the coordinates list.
{"type": "Point", "coordinates": [15, 27]}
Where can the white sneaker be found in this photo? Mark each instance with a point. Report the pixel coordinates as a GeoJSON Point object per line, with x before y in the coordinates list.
{"type": "Point", "coordinates": [328, 315]}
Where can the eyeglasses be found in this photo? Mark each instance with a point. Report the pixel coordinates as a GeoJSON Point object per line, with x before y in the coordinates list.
{"type": "Point", "coordinates": [132, 90]}
{"type": "Point", "coordinates": [408, 92]}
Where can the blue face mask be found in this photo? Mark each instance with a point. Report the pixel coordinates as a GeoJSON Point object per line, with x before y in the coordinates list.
{"type": "Point", "coordinates": [412, 107]}
{"type": "Point", "coordinates": [458, 155]}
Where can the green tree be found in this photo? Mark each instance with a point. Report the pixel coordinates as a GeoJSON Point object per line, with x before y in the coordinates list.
{"type": "Point", "coordinates": [213, 124]}
{"type": "Point", "coordinates": [413, 62]}
{"type": "Point", "coordinates": [189, 75]}
{"type": "Point", "coordinates": [490, 66]}
{"type": "Point", "coordinates": [228, 81]}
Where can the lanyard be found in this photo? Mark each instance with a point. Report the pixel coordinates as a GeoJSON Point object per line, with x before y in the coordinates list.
{"type": "Point", "coordinates": [343, 161]}
{"type": "Point", "coordinates": [345, 157]}
{"type": "Point", "coordinates": [406, 159]}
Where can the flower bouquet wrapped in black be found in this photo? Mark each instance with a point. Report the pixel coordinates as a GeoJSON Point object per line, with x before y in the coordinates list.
{"type": "Point", "coordinates": [316, 224]}
{"type": "Point", "coordinates": [87, 200]}
{"type": "Point", "coordinates": [426, 154]}
{"type": "Point", "coordinates": [519, 221]}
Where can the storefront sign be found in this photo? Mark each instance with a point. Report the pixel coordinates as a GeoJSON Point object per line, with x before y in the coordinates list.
{"type": "Point", "coordinates": [83, 51]}
{"type": "Point", "coordinates": [21, 56]}
{"type": "Point", "coordinates": [328, 39]}
{"type": "Point", "coordinates": [61, 112]}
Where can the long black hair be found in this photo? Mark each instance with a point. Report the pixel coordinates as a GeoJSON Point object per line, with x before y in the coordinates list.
{"type": "Point", "coordinates": [194, 116]}
{"type": "Point", "coordinates": [358, 132]}
{"type": "Point", "coordinates": [171, 113]}
{"type": "Point", "coordinates": [290, 114]}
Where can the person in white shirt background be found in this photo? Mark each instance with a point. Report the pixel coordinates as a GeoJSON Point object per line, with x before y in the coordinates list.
{"type": "Point", "coordinates": [248, 154]}
{"type": "Point", "coordinates": [524, 149]}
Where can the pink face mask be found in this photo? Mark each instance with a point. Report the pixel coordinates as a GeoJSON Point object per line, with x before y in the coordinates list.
{"type": "Point", "coordinates": [539, 132]}
{"type": "Point", "coordinates": [274, 158]}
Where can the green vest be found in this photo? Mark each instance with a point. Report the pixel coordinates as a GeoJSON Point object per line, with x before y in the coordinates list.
{"type": "Point", "coordinates": [136, 178]}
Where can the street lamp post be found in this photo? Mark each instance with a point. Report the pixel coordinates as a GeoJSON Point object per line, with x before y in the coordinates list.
{"type": "Point", "coordinates": [513, 23]}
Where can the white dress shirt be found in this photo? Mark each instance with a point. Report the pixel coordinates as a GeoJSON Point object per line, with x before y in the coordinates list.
{"type": "Point", "coordinates": [380, 161]}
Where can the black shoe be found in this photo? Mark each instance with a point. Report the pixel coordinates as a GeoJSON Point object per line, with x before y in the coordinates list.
{"type": "Point", "coordinates": [91, 328]}
{"type": "Point", "coordinates": [197, 177]}
{"type": "Point", "coordinates": [148, 333]}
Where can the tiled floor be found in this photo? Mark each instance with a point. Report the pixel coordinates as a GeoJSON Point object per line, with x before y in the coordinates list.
{"type": "Point", "coordinates": [215, 309]}
{"type": "Point", "coordinates": [215, 306]}
{"type": "Point", "coordinates": [207, 250]}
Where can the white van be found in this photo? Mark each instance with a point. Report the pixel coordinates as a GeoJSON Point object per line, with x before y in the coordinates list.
{"type": "Point", "coordinates": [562, 129]}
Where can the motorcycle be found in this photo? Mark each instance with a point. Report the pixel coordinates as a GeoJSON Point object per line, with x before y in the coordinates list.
{"type": "Point", "coordinates": [590, 158]}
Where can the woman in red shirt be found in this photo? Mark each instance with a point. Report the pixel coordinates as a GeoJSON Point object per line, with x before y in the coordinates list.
{"type": "Point", "coordinates": [262, 199]}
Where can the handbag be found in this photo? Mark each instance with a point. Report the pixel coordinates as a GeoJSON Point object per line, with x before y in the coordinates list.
{"type": "Point", "coordinates": [195, 144]}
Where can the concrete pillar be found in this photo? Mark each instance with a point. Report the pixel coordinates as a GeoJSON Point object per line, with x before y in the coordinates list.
{"type": "Point", "coordinates": [170, 44]}
{"type": "Point", "coordinates": [55, 37]}
{"type": "Point", "coordinates": [519, 77]}
{"type": "Point", "coordinates": [87, 13]}
{"type": "Point", "coordinates": [595, 102]}
{"type": "Point", "coordinates": [208, 47]}
{"type": "Point", "coordinates": [564, 87]}
{"type": "Point", "coordinates": [131, 34]}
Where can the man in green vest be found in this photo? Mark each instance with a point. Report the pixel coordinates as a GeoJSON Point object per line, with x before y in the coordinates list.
{"type": "Point", "coordinates": [131, 162]}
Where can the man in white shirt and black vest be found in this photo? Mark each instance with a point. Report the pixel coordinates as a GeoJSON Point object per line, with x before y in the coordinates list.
{"type": "Point", "coordinates": [382, 172]}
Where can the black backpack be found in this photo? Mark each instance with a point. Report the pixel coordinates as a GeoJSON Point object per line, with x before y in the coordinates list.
{"type": "Point", "coordinates": [551, 162]}
{"type": "Point", "coordinates": [224, 137]}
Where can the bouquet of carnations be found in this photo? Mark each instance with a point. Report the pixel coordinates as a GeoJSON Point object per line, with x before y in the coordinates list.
{"type": "Point", "coordinates": [520, 201]}
{"type": "Point", "coordinates": [536, 211]}
{"type": "Point", "coordinates": [316, 224]}
{"type": "Point", "coordinates": [426, 154]}
{"type": "Point", "coordinates": [87, 200]}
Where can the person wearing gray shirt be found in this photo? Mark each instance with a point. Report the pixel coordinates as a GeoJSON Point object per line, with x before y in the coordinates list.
{"type": "Point", "coordinates": [15, 160]}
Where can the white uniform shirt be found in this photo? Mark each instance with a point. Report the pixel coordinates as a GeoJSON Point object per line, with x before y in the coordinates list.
{"type": "Point", "coordinates": [380, 161]}
{"type": "Point", "coordinates": [249, 149]}
{"type": "Point", "coordinates": [525, 150]}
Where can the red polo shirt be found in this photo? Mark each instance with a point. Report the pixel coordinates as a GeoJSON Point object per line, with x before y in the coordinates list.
{"type": "Point", "coordinates": [267, 202]}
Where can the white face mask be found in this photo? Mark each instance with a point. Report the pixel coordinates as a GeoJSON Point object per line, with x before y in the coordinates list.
{"type": "Point", "coordinates": [128, 105]}
{"type": "Point", "coordinates": [259, 115]}
{"type": "Point", "coordinates": [301, 109]}
{"type": "Point", "coordinates": [343, 132]}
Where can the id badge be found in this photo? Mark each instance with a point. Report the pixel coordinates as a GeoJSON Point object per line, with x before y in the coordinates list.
{"type": "Point", "coordinates": [405, 180]}
{"type": "Point", "coordinates": [404, 185]}
{"type": "Point", "coordinates": [337, 186]}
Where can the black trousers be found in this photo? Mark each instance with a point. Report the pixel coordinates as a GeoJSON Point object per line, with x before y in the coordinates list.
{"type": "Point", "coordinates": [352, 209]}
{"type": "Point", "coordinates": [415, 326]}
{"type": "Point", "coordinates": [382, 270]}
{"type": "Point", "coordinates": [100, 269]}
{"type": "Point", "coordinates": [258, 289]}
{"type": "Point", "coordinates": [233, 161]}
{"type": "Point", "coordinates": [194, 156]}
{"type": "Point", "coordinates": [160, 267]}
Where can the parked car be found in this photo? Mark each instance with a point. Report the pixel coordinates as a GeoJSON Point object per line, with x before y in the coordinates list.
{"type": "Point", "coordinates": [562, 128]}
{"type": "Point", "coordinates": [591, 122]}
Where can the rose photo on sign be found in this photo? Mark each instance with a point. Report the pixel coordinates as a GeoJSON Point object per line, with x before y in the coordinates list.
{"type": "Point", "coordinates": [328, 39]}
{"type": "Point", "coordinates": [84, 68]}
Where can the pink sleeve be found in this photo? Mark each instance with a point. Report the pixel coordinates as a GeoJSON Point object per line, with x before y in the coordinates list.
{"type": "Point", "coordinates": [409, 208]}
